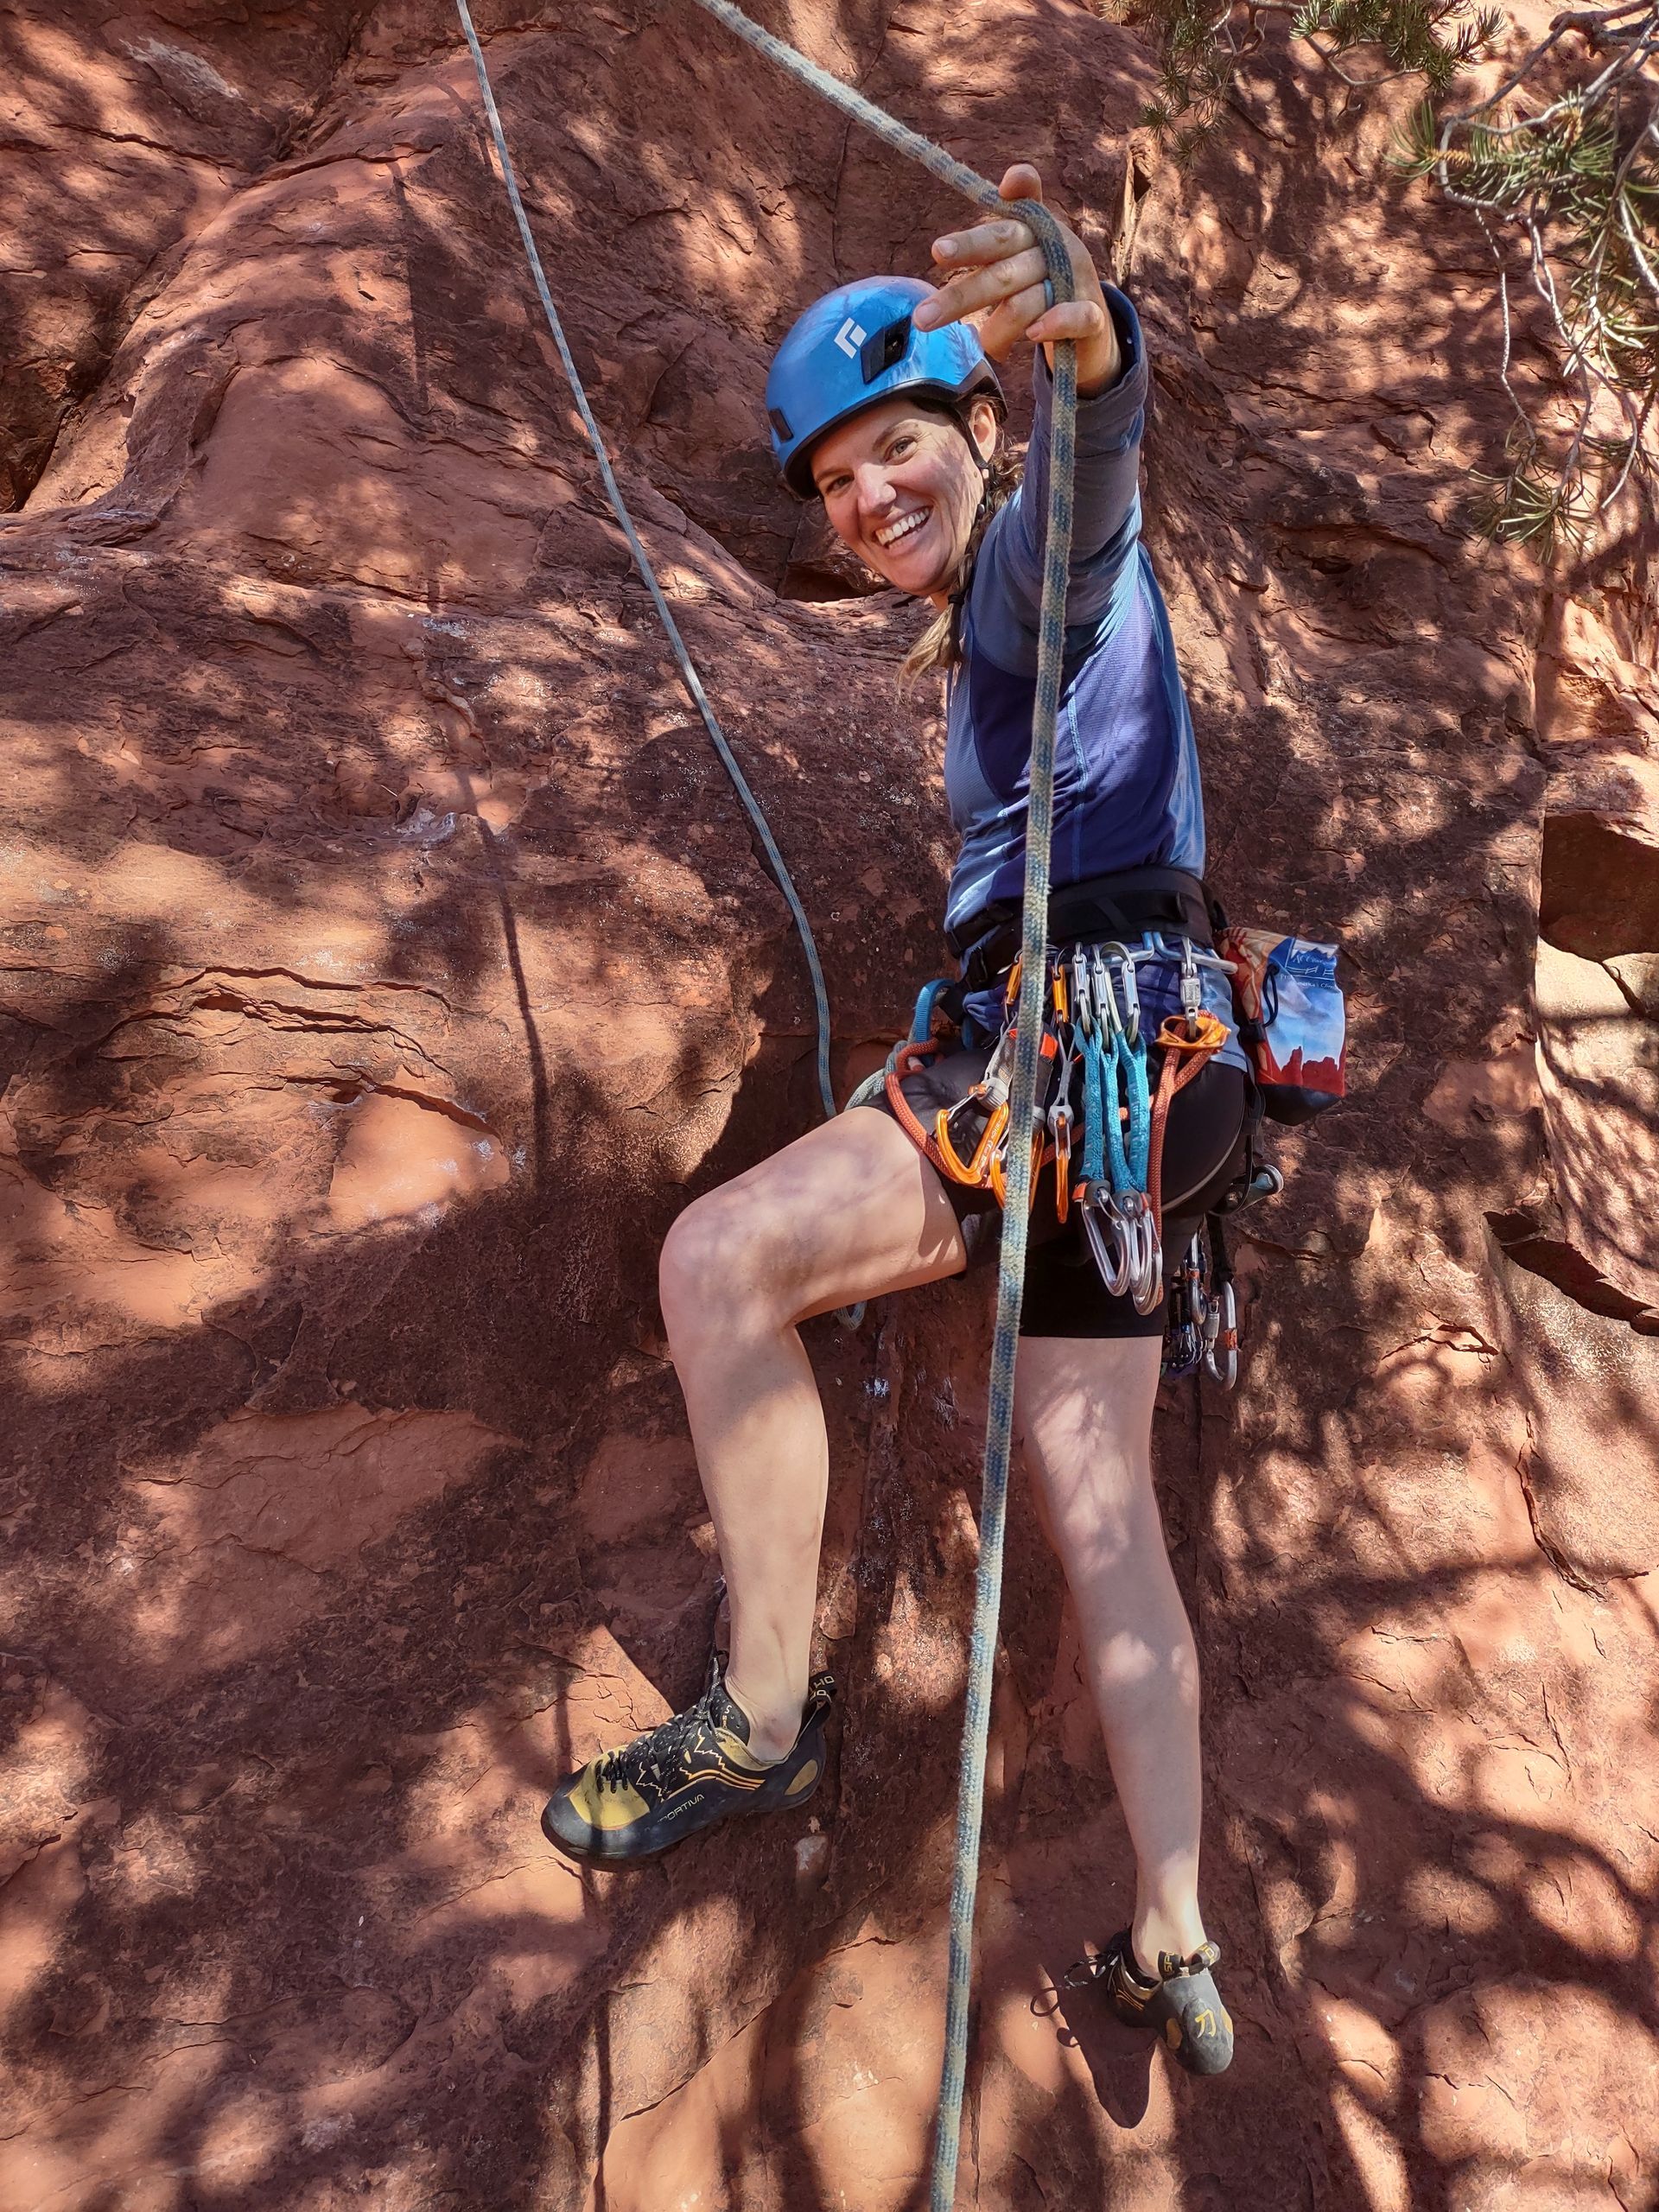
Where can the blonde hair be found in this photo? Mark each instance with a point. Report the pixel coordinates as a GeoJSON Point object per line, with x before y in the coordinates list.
{"type": "Point", "coordinates": [939, 647]}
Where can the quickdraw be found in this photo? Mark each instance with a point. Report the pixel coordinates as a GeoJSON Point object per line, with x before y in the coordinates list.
{"type": "Point", "coordinates": [1204, 1312]}
{"type": "Point", "coordinates": [1115, 1161]}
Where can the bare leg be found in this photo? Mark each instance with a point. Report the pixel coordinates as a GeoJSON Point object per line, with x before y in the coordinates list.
{"type": "Point", "coordinates": [1084, 1408]}
{"type": "Point", "coordinates": [848, 1211]}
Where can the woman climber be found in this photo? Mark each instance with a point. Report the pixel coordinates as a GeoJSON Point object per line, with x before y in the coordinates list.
{"type": "Point", "coordinates": [883, 403]}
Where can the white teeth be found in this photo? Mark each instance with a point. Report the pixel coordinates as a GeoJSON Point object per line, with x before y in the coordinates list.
{"type": "Point", "coordinates": [912, 522]}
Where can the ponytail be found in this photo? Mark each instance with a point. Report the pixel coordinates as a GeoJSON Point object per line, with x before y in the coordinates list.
{"type": "Point", "coordinates": [939, 647]}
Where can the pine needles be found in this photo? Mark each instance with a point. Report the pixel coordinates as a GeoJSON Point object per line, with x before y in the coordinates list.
{"type": "Point", "coordinates": [1564, 187]}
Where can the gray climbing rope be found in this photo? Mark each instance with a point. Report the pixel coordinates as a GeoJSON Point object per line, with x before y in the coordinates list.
{"type": "Point", "coordinates": [1022, 1102]}
{"type": "Point", "coordinates": [688, 672]}
{"type": "Point", "coordinates": [999, 1434]}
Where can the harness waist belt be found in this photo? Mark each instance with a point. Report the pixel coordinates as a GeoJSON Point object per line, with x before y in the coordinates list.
{"type": "Point", "coordinates": [1124, 903]}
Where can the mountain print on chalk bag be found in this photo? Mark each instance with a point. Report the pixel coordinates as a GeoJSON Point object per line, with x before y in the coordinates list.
{"type": "Point", "coordinates": [1290, 1018]}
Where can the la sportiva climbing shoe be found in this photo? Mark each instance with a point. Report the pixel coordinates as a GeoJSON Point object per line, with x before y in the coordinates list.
{"type": "Point", "coordinates": [1183, 2007]}
{"type": "Point", "coordinates": [632, 1804]}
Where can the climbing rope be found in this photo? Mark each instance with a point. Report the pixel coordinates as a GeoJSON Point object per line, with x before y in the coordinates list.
{"type": "Point", "coordinates": [1022, 1100]}
{"type": "Point", "coordinates": [688, 672]}
{"type": "Point", "coordinates": [999, 1433]}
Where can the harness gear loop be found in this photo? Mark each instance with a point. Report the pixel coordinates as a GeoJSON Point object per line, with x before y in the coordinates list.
{"type": "Point", "coordinates": [1184, 1056]}
{"type": "Point", "coordinates": [908, 1060]}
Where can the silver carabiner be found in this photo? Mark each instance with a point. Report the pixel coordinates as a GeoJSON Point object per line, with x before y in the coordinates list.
{"type": "Point", "coordinates": [1082, 1014]}
{"type": "Point", "coordinates": [1191, 987]}
{"type": "Point", "coordinates": [1224, 1337]}
{"type": "Point", "coordinates": [1136, 1242]}
{"type": "Point", "coordinates": [1060, 1110]}
{"type": "Point", "coordinates": [1123, 963]}
{"type": "Point", "coordinates": [1105, 998]}
{"type": "Point", "coordinates": [1150, 1296]}
{"type": "Point", "coordinates": [1106, 1245]}
{"type": "Point", "coordinates": [1143, 1251]}
{"type": "Point", "coordinates": [999, 1069]}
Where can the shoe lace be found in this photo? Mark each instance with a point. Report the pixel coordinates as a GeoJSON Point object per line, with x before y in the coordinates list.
{"type": "Point", "coordinates": [647, 1763]}
{"type": "Point", "coordinates": [1171, 1965]}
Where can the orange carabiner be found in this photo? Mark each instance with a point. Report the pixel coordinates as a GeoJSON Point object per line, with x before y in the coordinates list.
{"type": "Point", "coordinates": [975, 1170]}
{"type": "Point", "coordinates": [1063, 1167]}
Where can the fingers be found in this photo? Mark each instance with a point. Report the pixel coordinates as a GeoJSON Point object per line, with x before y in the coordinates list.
{"type": "Point", "coordinates": [1026, 316]}
{"type": "Point", "coordinates": [1000, 279]}
{"type": "Point", "coordinates": [1012, 295]}
{"type": "Point", "coordinates": [995, 271]}
{"type": "Point", "coordinates": [984, 243]}
{"type": "Point", "coordinates": [1076, 319]}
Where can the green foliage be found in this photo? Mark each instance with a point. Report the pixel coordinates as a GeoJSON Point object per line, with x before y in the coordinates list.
{"type": "Point", "coordinates": [1201, 49]}
{"type": "Point", "coordinates": [1572, 180]}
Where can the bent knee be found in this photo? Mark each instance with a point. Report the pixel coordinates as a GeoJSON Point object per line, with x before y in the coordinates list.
{"type": "Point", "coordinates": [721, 1258]}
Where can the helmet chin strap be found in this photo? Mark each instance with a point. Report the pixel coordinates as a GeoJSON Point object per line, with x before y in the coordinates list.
{"type": "Point", "coordinates": [960, 593]}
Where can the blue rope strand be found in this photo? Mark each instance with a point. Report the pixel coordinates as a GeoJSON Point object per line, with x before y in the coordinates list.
{"type": "Point", "coordinates": [1094, 1109]}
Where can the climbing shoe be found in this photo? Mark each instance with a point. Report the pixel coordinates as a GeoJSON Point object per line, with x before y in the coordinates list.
{"type": "Point", "coordinates": [1183, 2006]}
{"type": "Point", "coordinates": [629, 1805]}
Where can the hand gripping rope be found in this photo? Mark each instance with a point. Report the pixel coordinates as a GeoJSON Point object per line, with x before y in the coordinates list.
{"type": "Point", "coordinates": [1022, 1096]}
{"type": "Point", "coordinates": [988, 1596]}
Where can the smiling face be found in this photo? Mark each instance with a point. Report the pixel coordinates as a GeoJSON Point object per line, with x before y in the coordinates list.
{"type": "Point", "coordinates": [900, 488]}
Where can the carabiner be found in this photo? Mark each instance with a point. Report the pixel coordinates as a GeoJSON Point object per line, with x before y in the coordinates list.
{"type": "Point", "coordinates": [975, 1169]}
{"type": "Point", "coordinates": [1083, 1016]}
{"type": "Point", "coordinates": [1100, 982]}
{"type": "Point", "coordinates": [998, 1170]}
{"type": "Point", "coordinates": [1060, 1118]}
{"type": "Point", "coordinates": [1131, 988]}
{"type": "Point", "coordinates": [1057, 987]}
{"type": "Point", "coordinates": [1106, 1244]}
{"type": "Point", "coordinates": [1221, 1351]}
{"type": "Point", "coordinates": [1143, 1259]}
{"type": "Point", "coordinates": [1191, 987]}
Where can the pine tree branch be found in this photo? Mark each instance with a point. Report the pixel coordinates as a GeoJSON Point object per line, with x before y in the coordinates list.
{"type": "Point", "coordinates": [1574, 185]}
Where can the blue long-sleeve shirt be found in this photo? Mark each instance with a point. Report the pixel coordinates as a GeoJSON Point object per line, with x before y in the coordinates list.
{"type": "Point", "coordinates": [1127, 788]}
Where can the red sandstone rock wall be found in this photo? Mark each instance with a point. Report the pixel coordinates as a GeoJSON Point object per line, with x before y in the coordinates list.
{"type": "Point", "coordinates": [383, 960]}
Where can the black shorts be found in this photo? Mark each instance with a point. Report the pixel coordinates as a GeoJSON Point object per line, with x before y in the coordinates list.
{"type": "Point", "coordinates": [1204, 1154]}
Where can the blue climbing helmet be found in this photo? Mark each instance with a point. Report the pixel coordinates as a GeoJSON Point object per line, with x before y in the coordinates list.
{"type": "Point", "coordinates": [856, 345]}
